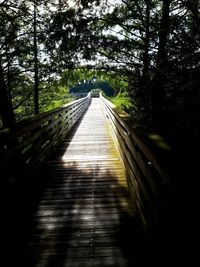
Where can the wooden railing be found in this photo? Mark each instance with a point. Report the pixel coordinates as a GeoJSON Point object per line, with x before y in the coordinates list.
{"type": "Point", "coordinates": [34, 139]}
{"type": "Point", "coordinates": [149, 184]}
{"type": "Point", "coordinates": [78, 95]}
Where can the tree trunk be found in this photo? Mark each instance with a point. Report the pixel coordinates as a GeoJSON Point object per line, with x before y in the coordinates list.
{"type": "Point", "coordinates": [146, 43]}
{"type": "Point", "coordinates": [163, 33]}
{"type": "Point", "coordinates": [161, 67]}
{"type": "Point", "coordinates": [193, 6]}
{"type": "Point", "coordinates": [36, 79]}
{"type": "Point", "coordinates": [9, 80]}
{"type": "Point", "coordinates": [6, 109]}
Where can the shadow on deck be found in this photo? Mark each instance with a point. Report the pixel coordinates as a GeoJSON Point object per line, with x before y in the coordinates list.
{"type": "Point", "coordinates": [81, 219]}
{"type": "Point", "coordinates": [72, 214]}
{"type": "Point", "coordinates": [78, 214]}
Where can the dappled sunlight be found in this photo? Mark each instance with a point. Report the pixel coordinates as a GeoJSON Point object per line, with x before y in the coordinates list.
{"type": "Point", "coordinates": [89, 214]}
{"type": "Point", "coordinates": [85, 215]}
{"type": "Point", "coordinates": [159, 141]}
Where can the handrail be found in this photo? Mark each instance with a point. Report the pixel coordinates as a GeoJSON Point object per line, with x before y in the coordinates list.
{"type": "Point", "coordinates": [149, 184]}
{"type": "Point", "coordinates": [34, 139]}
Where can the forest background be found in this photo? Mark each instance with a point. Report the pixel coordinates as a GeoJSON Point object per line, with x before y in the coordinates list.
{"type": "Point", "coordinates": [147, 51]}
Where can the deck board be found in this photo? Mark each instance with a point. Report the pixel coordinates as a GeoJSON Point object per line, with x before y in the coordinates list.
{"type": "Point", "coordinates": [84, 216]}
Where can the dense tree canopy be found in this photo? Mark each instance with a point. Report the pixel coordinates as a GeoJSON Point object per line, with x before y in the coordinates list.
{"type": "Point", "coordinates": [88, 86]}
{"type": "Point", "coordinates": [152, 45]}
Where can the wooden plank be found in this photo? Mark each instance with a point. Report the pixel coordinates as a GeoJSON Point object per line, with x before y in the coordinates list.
{"type": "Point", "coordinates": [85, 211]}
{"type": "Point", "coordinates": [129, 131]}
{"type": "Point", "coordinates": [34, 139]}
{"type": "Point", "coordinates": [149, 185]}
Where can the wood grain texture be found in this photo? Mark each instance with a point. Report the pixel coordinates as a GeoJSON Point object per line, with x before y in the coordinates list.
{"type": "Point", "coordinates": [85, 216]}
{"type": "Point", "coordinates": [149, 184]}
{"type": "Point", "coordinates": [25, 149]}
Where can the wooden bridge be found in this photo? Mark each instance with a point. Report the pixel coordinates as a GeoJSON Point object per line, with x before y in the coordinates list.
{"type": "Point", "coordinates": [81, 188]}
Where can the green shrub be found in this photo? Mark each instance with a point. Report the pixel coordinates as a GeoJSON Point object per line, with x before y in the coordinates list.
{"type": "Point", "coordinates": [123, 101]}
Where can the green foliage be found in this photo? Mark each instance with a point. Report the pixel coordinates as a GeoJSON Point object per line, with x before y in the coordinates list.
{"type": "Point", "coordinates": [86, 79]}
{"type": "Point", "coordinates": [88, 86]}
{"type": "Point", "coordinates": [149, 49]}
{"type": "Point", "coordinates": [52, 95]}
{"type": "Point", "coordinates": [123, 101]}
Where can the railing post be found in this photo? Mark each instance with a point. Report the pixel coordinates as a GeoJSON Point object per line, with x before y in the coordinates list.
{"type": "Point", "coordinates": [38, 137]}
{"type": "Point", "coordinates": [149, 185]}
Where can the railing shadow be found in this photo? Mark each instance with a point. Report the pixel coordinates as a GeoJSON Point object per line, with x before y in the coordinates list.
{"type": "Point", "coordinates": [76, 215]}
{"type": "Point", "coordinates": [67, 215]}
{"type": "Point", "coordinates": [84, 220]}
{"type": "Point", "coordinates": [19, 201]}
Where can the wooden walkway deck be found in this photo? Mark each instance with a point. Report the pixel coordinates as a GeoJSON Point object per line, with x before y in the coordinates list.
{"type": "Point", "coordinates": [84, 215]}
